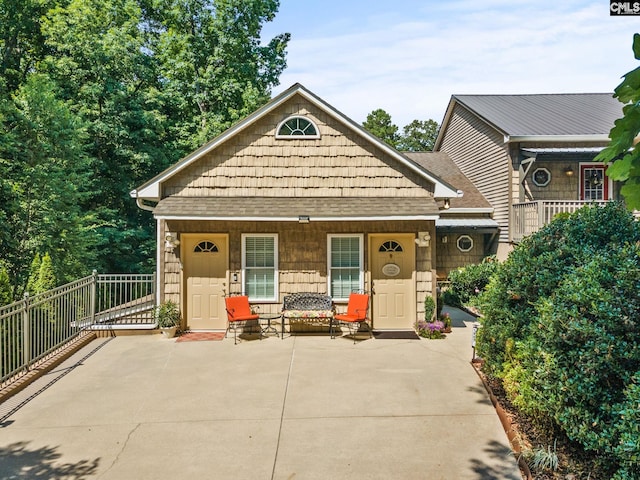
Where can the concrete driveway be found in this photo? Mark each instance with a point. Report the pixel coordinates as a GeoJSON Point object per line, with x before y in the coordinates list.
{"type": "Point", "coordinates": [306, 407]}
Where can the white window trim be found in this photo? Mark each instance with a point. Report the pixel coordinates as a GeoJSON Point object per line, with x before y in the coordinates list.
{"type": "Point", "coordinates": [458, 243]}
{"type": "Point", "coordinates": [276, 289]}
{"type": "Point", "coordinates": [544, 184]}
{"type": "Point", "coordinates": [294, 137]}
{"type": "Point", "coordinates": [581, 179]}
{"type": "Point", "coordinates": [360, 237]}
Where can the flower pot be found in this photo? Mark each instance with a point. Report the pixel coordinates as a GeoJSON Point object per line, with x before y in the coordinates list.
{"type": "Point", "coordinates": [169, 332]}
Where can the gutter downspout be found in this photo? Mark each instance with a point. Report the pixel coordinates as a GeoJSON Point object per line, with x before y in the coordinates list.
{"type": "Point", "coordinates": [140, 203]}
{"type": "Point", "coordinates": [149, 208]}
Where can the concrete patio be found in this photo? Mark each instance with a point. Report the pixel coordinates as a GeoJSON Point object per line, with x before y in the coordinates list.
{"type": "Point", "coordinates": [306, 407]}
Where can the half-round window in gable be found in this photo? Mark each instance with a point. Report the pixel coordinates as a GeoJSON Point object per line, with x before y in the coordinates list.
{"type": "Point", "coordinates": [297, 127]}
{"type": "Point", "coordinates": [390, 246]}
{"type": "Point", "coordinates": [206, 247]}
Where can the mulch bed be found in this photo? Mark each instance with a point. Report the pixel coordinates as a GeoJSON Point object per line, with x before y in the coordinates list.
{"type": "Point", "coordinates": [525, 434]}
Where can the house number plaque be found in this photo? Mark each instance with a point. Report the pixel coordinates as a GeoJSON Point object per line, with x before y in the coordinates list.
{"type": "Point", "coordinates": [391, 270]}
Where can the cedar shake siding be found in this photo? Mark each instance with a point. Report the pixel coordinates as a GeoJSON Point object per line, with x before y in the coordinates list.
{"type": "Point", "coordinates": [302, 254]}
{"type": "Point", "coordinates": [481, 154]}
{"type": "Point", "coordinates": [301, 191]}
{"type": "Point", "coordinates": [338, 164]}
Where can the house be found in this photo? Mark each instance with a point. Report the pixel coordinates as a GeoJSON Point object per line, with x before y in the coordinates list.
{"type": "Point", "coordinates": [299, 198]}
{"type": "Point", "coordinates": [531, 156]}
{"type": "Point", "coordinates": [465, 232]}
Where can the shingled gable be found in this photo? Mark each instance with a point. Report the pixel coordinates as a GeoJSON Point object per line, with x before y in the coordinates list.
{"type": "Point", "coordinates": [152, 190]}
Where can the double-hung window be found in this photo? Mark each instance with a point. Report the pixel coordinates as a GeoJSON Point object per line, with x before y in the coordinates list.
{"type": "Point", "coordinates": [260, 267]}
{"type": "Point", "coordinates": [345, 265]}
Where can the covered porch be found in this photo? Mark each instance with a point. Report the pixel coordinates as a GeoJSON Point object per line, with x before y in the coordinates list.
{"type": "Point", "coordinates": [529, 217]}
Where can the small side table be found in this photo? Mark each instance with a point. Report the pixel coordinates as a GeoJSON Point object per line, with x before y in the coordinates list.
{"type": "Point", "coordinates": [269, 328]}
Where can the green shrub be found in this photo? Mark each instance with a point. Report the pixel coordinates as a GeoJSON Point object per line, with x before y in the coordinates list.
{"type": "Point", "coordinates": [467, 282]}
{"type": "Point", "coordinates": [5, 287]}
{"type": "Point", "coordinates": [429, 308]}
{"type": "Point", "coordinates": [561, 328]}
{"type": "Point", "coordinates": [627, 414]}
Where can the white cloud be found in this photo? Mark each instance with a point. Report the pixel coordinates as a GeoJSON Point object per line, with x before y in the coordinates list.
{"type": "Point", "coordinates": [412, 62]}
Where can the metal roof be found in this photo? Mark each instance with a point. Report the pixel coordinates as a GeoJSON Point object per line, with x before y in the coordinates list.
{"type": "Point", "coordinates": [564, 150]}
{"type": "Point", "coordinates": [292, 208]}
{"type": "Point", "coordinates": [559, 114]}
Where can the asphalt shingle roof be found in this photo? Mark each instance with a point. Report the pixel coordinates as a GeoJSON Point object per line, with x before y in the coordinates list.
{"type": "Point", "coordinates": [442, 166]}
{"type": "Point", "coordinates": [547, 114]}
{"type": "Point", "coordinates": [293, 207]}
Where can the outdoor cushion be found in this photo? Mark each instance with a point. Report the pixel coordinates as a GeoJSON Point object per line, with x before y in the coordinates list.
{"type": "Point", "coordinates": [308, 313]}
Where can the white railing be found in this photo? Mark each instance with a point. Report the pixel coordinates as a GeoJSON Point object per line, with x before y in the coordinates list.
{"type": "Point", "coordinates": [529, 217]}
{"type": "Point", "coordinates": [38, 326]}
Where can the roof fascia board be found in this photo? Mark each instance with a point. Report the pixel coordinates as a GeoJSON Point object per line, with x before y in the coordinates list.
{"type": "Point", "coordinates": [452, 103]}
{"type": "Point", "coordinates": [445, 122]}
{"type": "Point", "coordinates": [469, 210]}
{"type": "Point", "coordinates": [447, 117]}
{"type": "Point", "coordinates": [601, 137]}
{"type": "Point", "coordinates": [356, 218]}
{"type": "Point", "coordinates": [151, 189]}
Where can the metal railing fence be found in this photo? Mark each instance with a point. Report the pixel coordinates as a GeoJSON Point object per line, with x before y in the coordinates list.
{"type": "Point", "coordinates": [36, 327]}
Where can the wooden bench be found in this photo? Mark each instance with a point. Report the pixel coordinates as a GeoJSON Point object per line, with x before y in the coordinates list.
{"type": "Point", "coordinates": [314, 308]}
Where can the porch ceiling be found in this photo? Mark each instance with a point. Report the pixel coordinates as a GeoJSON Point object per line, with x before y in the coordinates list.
{"type": "Point", "coordinates": [292, 208]}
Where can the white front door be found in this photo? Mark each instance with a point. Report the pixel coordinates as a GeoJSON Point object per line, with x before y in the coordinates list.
{"type": "Point", "coordinates": [205, 277]}
{"type": "Point", "coordinates": [393, 280]}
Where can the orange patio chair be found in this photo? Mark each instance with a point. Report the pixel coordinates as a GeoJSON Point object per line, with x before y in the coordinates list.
{"type": "Point", "coordinates": [356, 315]}
{"type": "Point", "coordinates": [238, 314]}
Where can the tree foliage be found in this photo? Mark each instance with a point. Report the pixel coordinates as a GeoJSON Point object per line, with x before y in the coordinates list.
{"type": "Point", "coordinates": [417, 136]}
{"type": "Point", "coordinates": [6, 292]}
{"type": "Point", "coordinates": [561, 329]}
{"type": "Point", "coordinates": [624, 152]}
{"type": "Point", "coordinates": [96, 97]}
{"type": "Point", "coordinates": [379, 123]}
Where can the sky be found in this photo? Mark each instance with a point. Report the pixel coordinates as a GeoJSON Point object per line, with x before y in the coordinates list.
{"type": "Point", "coordinates": [408, 57]}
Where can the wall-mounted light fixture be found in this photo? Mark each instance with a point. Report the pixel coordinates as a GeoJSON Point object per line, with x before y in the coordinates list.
{"type": "Point", "coordinates": [446, 204]}
{"type": "Point", "coordinates": [171, 241]}
{"type": "Point", "coordinates": [424, 239]}
{"type": "Point", "coordinates": [568, 171]}
{"type": "Point", "coordinates": [445, 239]}
{"type": "Point", "coordinates": [303, 219]}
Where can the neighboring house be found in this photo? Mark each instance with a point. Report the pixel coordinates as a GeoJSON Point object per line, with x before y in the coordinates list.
{"type": "Point", "coordinates": [531, 156]}
{"type": "Point", "coordinates": [465, 232]}
{"type": "Point", "coordinates": [299, 198]}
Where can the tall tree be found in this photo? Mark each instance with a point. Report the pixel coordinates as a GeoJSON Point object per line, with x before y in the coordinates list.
{"type": "Point", "coordinates": [624, 152]}
{"type": "Point", "coordinates": [214, 67]}
{"type": "Point", "coordinates": [101, 61]}
{"type": "Point", "coordinates": [42, 147]}
{"type": "Point", "coordinates": [21, 41]}
{"type": "Point", "coordinates": [379, 123]}
{"type": "Point", "coordinates": [419, 136]}
{"type": "Point", "coordinates": [6, 291]}
{"type": "Point", "coordinates": [97, 96]}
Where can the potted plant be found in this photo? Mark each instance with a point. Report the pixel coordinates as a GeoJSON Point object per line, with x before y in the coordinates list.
{"type": "Point", "coordinates": [167, 317]}
{"type": "Point", "coordinates": [445, 318]}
